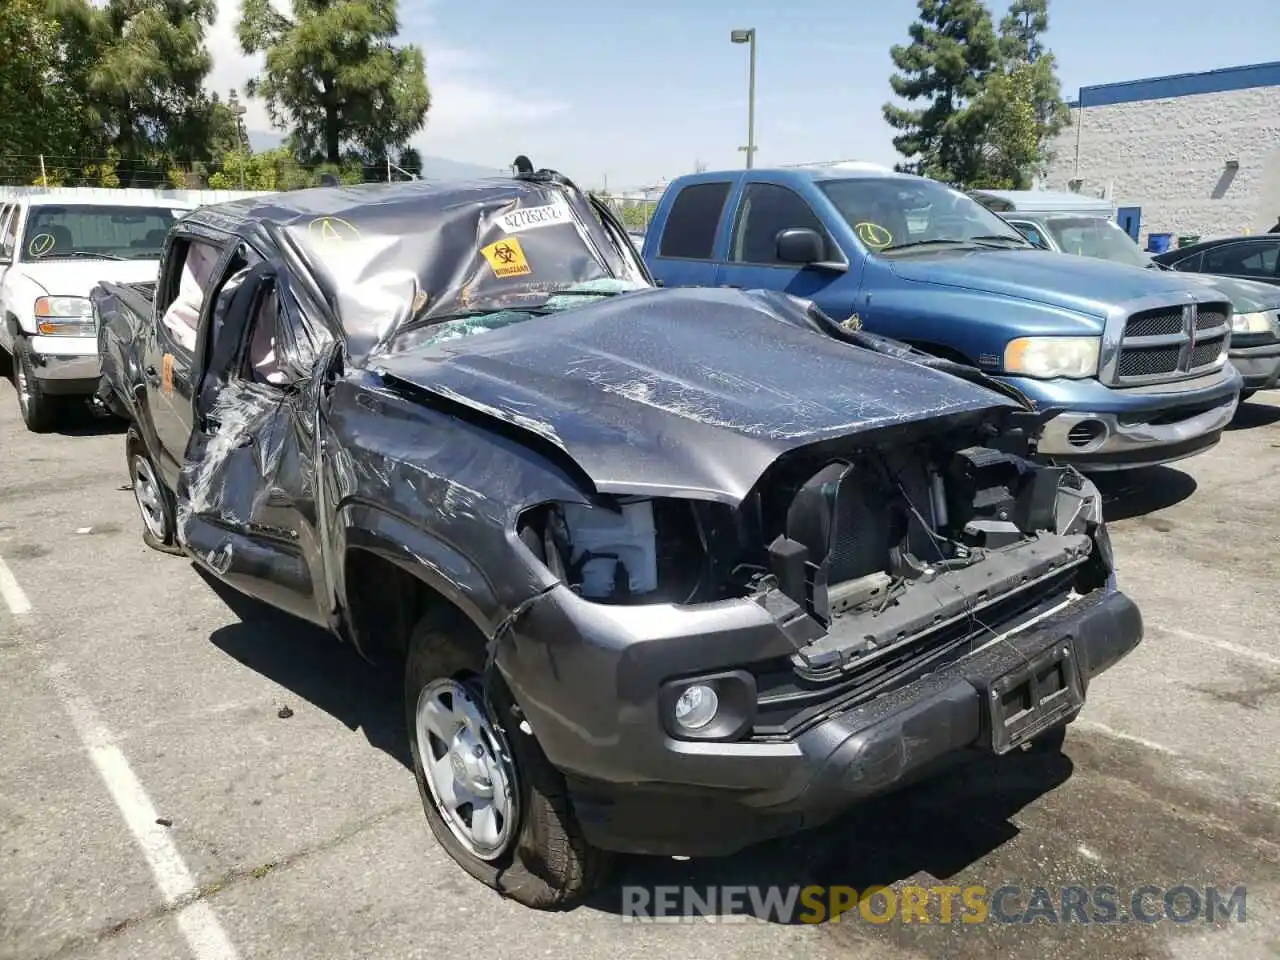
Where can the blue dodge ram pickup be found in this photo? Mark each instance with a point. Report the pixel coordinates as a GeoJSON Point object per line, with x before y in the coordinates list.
{"type": "Point", "coordinates": [1135, 359]}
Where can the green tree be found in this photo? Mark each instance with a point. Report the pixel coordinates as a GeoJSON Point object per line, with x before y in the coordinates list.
{"type": "Point", "coordinates": [333, 77]}
{"type": "Point", "coordinates": [28, 54]}
{"type": "Point", "coordinates": [1023, 50]}
{"type": "Point", "coordinates": [953, 52]}
{"type": "Point", "coordinates": [136, 69]}
{"type": "Point", "coordinates": [1012, 145]}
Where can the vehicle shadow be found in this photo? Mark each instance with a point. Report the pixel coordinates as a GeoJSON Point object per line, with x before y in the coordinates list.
{"type": "Point", "coordinates": [937, 827]}
{"type": "Point", "coordinates": [316, 668]}
{"type": "Point", "coordinates": [1132, 493]}
{"type": "Point", "coordinates": [81, 420]}
{"type": "Point", "coordinates": [1249, 415]}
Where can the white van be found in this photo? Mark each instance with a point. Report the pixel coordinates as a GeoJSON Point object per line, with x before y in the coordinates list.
{"type": "Point", "coordinates": [54, 247]}
{"type": "Point", "coordinates": [1066, 223]}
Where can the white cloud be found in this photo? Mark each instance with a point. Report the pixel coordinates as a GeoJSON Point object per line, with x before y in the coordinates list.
{"type": "Point", "coordinates": [231, 68]}
{"type": "Point", "coordinates": [464, 102]}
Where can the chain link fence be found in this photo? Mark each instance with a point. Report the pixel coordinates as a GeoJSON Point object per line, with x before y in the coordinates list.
{"type": "Point", "coordinates": [635, 213]}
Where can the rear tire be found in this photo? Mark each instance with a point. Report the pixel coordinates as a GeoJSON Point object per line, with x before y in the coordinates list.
{"type": "Point", "coordinates": [155, 503]}
{"type": "Point", "coordinates": [39, 410]}
{"type": "Point", "coordinates": [535, 854]}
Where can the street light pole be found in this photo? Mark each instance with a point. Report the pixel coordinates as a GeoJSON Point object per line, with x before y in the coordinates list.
{"type": "Point", "coordinates": [749, 37]}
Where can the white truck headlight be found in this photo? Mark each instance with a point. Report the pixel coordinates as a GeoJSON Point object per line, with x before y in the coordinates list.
{"type": "Point", "coordinates": [1250, 323]}
{"type": "Point", "coordinates": [64, 317]}
{"type": "Point", "coordinates": [1045, 357]}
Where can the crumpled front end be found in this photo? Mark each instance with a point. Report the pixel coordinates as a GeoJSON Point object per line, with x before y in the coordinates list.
{"type": "Point", "coordinates": [867, 613]}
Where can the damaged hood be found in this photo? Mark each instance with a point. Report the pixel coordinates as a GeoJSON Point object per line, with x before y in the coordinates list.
{"type": "Point", "coordinates": [680, 392]}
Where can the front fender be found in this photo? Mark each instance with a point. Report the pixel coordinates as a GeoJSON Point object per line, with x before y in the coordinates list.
{"type": "Point", "coordinates": [437, 564]}
{"type": "Point", "coordinates": [975, 324]}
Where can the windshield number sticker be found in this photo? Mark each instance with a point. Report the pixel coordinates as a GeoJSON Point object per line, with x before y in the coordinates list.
{"type": "Point", "coordinates": [506, 258]}
{"type": "Point", "coordinates": [530, 218]}
{"type": "Point", "coordinates": [873, 235]}
{"type": "Point", "coordinates": [166, 373]}
{"type": "Point", "coordinates": [41, 244]}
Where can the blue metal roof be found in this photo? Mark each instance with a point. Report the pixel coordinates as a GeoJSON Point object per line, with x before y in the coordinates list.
{"type": "Point", "coordinates": [1181, 85]}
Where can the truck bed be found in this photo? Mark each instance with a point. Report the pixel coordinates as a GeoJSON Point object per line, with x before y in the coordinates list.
{"type": "Point", "coordinates": [123, 310]}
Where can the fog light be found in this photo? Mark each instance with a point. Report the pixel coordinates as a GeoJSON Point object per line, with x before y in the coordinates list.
{"type": "Point", "coordinates": [696, 707]}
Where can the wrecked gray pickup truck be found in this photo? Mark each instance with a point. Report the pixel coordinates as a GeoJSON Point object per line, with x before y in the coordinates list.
{"type": "Point", "coordinates": [669, 571]}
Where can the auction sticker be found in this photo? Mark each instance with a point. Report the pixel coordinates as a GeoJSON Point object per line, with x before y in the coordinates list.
{"type": "Point", "coordinates": [506, 258]}
{"type": "Point", "coordinates": [530, 218]}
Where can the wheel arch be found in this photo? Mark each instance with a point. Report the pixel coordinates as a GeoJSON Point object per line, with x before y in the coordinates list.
{"type": "Point", "coordinates": [392, 573]}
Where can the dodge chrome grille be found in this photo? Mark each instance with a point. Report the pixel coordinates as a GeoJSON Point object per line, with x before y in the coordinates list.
{"type": "Point", "coordinates": [1169, 343]}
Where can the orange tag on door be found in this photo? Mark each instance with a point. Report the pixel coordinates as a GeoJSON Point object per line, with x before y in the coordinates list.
{"type": "Point", "coordinates": [166, 373]}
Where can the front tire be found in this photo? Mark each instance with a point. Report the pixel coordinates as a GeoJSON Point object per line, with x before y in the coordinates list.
{"type": "Point", "coordinates": [492, 798]}
{"type": "Point", "coordinates": [39, 410]}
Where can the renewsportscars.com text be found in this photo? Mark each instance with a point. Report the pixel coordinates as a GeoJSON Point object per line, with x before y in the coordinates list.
{"type": "Point", "coordinates": [1184, 903]}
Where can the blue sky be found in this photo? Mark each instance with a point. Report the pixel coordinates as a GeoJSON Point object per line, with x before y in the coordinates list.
{"type": "Point", "coordinates": [631, 93]}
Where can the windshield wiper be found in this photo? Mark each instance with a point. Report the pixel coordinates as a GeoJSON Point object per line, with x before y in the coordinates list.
{"type": "Point", "coordinates": [81, 253]}
{"type": "Point", "coordinates": [986, 239]}
{"type": "Point", "coordinates": [923, 243]}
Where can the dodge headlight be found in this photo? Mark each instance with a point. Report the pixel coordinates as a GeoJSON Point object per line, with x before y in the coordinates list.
{"type": "Point", "coordinates": [1250, 323]}
{"type": "Point", "coordinates": [64, 317]}
{"type": "Point", "coordinates": [1045, 357]}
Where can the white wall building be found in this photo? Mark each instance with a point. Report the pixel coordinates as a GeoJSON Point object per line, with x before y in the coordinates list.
{"type": "Point", "coordinates": [1196, 153]}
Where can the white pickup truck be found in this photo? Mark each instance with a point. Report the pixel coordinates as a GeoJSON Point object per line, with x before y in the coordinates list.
{"type": "Point", "coordinates": [53, 249]}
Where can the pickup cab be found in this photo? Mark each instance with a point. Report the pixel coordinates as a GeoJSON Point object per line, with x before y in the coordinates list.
{"type": "Point", "coordinates": [1134, 360]}
{"type": "Point", "coordinates": [666, 571]}
{"type": "Point", "coordinates": [53, 249]}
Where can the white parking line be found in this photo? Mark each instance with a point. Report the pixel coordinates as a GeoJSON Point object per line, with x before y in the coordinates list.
{"type": "Point", "coordinates": [14, 598]}
{"type": "Point", "coordinates": [1248, 653]}
{"type": "Point", "coordinates": [197, 921]}
{"type": "Point", "coordinates": [1115, 734]}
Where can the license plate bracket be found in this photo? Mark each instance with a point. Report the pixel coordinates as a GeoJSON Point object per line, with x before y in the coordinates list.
{"type": "Point", "coordinates": [1031, 698]}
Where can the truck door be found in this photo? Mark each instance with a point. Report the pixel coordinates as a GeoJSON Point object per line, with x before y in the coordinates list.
{"type": "Point", "coordinates": [686, 238]}
{"type": "Point", "coordinates": [9, 216]}
{"type": "Point", "coordinates": [246, 507]}
{"type": "Point", "coordinates": [168, 352]}
{"type": "Point", "coordinates": [753, 262]}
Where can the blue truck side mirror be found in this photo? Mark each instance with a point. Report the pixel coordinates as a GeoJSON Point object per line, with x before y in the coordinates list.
{"type": "Point", "coordinates": [800, 245]}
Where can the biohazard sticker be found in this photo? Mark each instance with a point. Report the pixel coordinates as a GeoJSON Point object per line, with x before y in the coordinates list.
{"type": "Point", "coordinates": [530, 218]}
{"type": "Point", "coordinates": [506, 258]}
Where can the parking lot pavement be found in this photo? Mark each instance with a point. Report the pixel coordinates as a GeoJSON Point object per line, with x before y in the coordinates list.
{"type": "Point", "coordinates": [135, 692]}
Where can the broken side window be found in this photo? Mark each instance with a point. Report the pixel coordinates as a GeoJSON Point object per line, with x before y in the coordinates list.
{"type": "Point", "coordinates": [184, 288]}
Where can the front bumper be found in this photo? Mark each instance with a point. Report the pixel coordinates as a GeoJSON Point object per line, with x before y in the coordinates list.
{"type": "Point", "coordinates": [1115, 429]}
{"type": "Point", "coordinates": [1259, 365]}
{"type": "Point", "coordinates": [65, 365]}
{"type": "Point", "coordinates": [636, 790]}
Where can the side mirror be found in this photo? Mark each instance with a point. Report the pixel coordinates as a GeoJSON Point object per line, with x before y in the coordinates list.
{"type": "Point", "coordinates": [800, 245]}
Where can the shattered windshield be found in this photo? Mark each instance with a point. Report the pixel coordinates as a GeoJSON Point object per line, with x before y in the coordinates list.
{"type": "Point", "coordinates": [470, 324]}
{"type": "Point", "coordinates": [890, 214]}
{"type": "Point", "coordinates": [451, 259]}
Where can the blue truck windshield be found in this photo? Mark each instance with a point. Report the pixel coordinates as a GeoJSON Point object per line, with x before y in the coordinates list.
{"type": "Point", "coordinates": [892, 214]}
